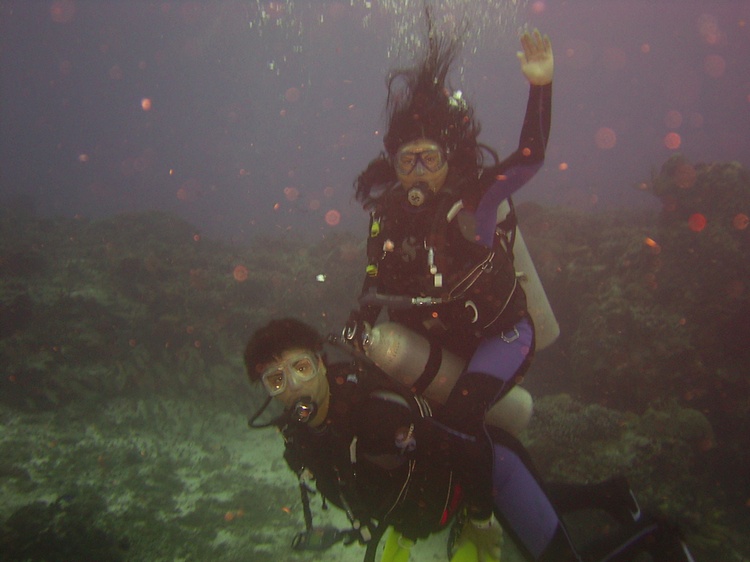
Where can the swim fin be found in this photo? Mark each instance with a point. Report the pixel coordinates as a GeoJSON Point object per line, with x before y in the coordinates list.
{"type": "Point", "coordinates": [397, 547]}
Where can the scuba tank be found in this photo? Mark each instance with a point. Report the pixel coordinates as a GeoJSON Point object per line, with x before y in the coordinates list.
{"type": "Point", "coordinates": [405, 356]}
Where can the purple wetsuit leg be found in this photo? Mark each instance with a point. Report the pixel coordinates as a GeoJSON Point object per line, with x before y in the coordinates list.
{"type": "Point", "coordinates": [520, 501]}
{"type": "Point", "coordinates": [502, 356]}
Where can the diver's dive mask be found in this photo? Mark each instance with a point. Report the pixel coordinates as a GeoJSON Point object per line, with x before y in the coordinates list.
{"type": "Point", "coordinates": [299, 368]}
{"type": "Point", "coordinates": [407, 159]}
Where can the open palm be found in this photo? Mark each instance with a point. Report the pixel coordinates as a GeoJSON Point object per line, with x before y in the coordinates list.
{"type": "Point", "coordinates": [537, 62]}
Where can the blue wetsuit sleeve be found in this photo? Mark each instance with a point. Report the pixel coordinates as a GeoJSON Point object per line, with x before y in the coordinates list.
{"type": "Point", "coordinates": [513, 172]}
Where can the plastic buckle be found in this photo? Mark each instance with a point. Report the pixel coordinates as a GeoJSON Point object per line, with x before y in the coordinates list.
{"type": "Point", "coordinates": [511, 338]}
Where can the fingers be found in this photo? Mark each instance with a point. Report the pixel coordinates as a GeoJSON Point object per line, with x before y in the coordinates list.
{"type": "Point", "coordinates": [535, 43]}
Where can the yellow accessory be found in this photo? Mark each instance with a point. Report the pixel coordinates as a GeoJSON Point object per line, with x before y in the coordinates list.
{"type": "Point", "coordinates": [374, 228]}
{"type": "Point", "coordinates": [372, 270]}
{"type": "Point", "coordinates": [467, 552]}
{"type": "Point", "coordinates": [397, 547]}
{"type": "Point", "coordinates": [479, 541]}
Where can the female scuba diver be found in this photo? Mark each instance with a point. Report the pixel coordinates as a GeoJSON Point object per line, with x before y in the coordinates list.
{"type": "Point", "coordinates": [437, 259]}
{"type": "Point", "coordinates": [442, 266]}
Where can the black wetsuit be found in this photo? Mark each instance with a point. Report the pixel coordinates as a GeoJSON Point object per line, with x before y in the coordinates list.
{"type": "Point", "coordinates": [365, 459]}
{"type": "Point", "coordinates": [380, 456]}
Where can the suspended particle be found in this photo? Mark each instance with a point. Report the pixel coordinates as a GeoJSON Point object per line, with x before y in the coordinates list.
{"type": "Point", "coordinates": [146, 104]}
{"type": "Point", "coordinates": [653, 245]}
{"type": "Point", "coordinates": [714, 65]}
{"type": "Point", "coordinates": [672, 141]}
{"type": "Point", "coordinates": [292, 95]}
{"type": "Point", "coordinates": [697, 222]}
{"type": "Point", "coordinates": [291, 193]}
{"type": "Point", "coordinates": [62, 11]}
{"type": "Point", "coordinates": [605, 138]}
{"type": "Point", "coordinates": [673, 119]}
{"type": "Point", "coordinates": [333, 217]}
{"type": "Point", "coordinates": [741, 221]}
{"type": "Point", "coordinates": [240, 273]}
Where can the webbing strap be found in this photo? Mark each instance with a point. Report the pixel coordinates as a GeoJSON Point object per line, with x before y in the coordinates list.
{"type": "Point", "coordinates": [430, 370]}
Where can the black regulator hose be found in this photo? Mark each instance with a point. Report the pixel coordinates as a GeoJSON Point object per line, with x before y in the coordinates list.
{"type": "Point", "coordinates": [372, 545]}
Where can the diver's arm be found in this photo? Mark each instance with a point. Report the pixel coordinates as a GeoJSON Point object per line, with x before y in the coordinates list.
{"type": "Point", "coordinates": [516, 170]}
{"type": "Point", "coordinates": [537, 65]}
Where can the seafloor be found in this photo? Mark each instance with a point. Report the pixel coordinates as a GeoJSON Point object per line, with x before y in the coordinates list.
{"type": "Point", "coordinates": [123, 404]}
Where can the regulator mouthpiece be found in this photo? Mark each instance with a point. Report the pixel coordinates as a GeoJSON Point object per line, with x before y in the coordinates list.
{"type": "Point", "coordinates": [304, 409]}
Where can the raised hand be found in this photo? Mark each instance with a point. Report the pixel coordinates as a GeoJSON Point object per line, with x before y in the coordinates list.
{"type": "Point", "coordinates": [537, 61]}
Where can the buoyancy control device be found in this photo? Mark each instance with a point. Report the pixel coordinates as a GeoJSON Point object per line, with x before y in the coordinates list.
{"type": "Point", "coordinates": [405, 355]}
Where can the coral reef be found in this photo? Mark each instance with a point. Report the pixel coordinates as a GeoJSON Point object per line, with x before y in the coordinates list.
{"type": "Point", "coordinates": [666, 453]}
{"type": "Point", "coordinates": [67, 529]}
{"type": "Point", "coordinates": [655, 307]}
{"type": "Point", "coordinates": [123, 395]}
{"type": "Point", "coordinates": [138, 303]}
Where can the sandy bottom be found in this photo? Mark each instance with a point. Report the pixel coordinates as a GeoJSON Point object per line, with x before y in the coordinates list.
{"type": "Point", "coordinates": [160, 480]}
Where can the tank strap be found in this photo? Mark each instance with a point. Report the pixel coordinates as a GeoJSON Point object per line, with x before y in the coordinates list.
{"type": "Point", "coordinates": [430, 370]}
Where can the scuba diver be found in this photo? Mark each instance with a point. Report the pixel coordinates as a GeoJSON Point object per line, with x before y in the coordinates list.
{"type": "Point", "coordinates": [438, 260]}
{"type": "Point", "coordinates": [374, 449]}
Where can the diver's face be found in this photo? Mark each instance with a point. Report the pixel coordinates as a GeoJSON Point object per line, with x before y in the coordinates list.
{"type": "Point", "coordinates": [422, 161]}
{"type": "Point", "coordinates": [298, 373]}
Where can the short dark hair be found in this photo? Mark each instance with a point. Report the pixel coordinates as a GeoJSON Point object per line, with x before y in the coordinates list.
{"type": "Point", "coordinates": [276, 337]}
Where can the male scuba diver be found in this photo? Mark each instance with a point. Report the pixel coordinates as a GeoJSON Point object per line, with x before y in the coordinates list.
{"type": "Point", "coordinates": [374, 449]}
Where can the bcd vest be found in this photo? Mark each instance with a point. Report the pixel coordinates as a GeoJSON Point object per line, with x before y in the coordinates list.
{"type": "Point", "coordinates": [428, 256]}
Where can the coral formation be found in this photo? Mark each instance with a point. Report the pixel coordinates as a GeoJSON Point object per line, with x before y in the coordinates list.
{"type": "Point", "coordinates": [143, 302]}
{"type": "Point", "coordinates": [121, 339]}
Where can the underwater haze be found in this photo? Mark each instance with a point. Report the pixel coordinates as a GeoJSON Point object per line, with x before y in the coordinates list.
{"type": "Point", "coordinates": [252, 117]}
{"type": "Point", "coordinates": [176, 173]}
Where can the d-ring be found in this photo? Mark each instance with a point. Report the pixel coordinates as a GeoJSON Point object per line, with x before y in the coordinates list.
{"type": "Point", "coordinates": [472, 306]}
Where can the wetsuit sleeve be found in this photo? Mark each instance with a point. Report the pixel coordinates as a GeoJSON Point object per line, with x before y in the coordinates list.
{"type": "Point", "coordinates": [513, 172]}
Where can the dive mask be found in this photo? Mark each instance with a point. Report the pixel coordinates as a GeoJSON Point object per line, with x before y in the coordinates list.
{"type": "Point", "coordinates": [299, 368]}
{"type": "Point", "coordinates": [431, 159]}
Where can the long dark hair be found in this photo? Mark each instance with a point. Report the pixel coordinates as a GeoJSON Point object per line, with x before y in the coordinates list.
{"type": "Point", "coordinates": [421, 105]}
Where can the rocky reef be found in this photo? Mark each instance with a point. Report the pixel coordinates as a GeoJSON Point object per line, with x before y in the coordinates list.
{"type": "Point", "coordinates": [143, 302]}
{"type": "Point", "coordinates": [123, 393]}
